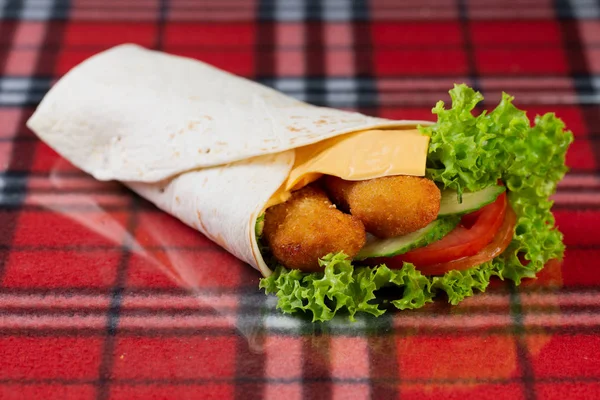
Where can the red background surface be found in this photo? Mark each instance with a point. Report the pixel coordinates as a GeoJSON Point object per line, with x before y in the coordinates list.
{"type": "Point", "coordinates": [102, 296]}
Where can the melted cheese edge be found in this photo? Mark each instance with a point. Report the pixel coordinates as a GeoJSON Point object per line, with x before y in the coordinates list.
{"type": "Point", "coordinates": [357, 156]}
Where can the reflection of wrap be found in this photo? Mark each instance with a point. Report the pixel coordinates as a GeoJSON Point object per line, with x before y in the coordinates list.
{"type": "Point", "coordinates": [205, 146]}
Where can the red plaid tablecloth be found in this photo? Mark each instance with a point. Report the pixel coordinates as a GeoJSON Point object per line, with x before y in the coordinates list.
{"type": "Point", "coordinates": [103, 296]}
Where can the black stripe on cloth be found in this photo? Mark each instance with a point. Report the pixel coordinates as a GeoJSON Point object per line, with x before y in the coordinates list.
{"type": "Point", "coordinates": [250, 344]}
{"type": "Point", "coordinates": [114, 309]}
{"type": "Point", "coordinates": [579, 69]}
{"type": "Point", "coordinates": [151, 291]}
{"type": "Point", "coordinates": [85, 248]}
{"type": "Point", "coordinates": [163, 11]}
{"type": "Point", "coordinates": [249, 355]}
{"type": "Point", "coordinates": [116, 296]}
{"type": "Point", "coordinates": [315, 78]}
{"type": "Point", "coordinates": [235, 47]}
{"type": "Point", "coordinates": [22, 152]}
{"type": "Point", "coordinates": [421, 92]}
{"type": "Point", "coordinates": [567, 330]}
{"type": "Point", "coordinates": [7, 32]}
{"type": "Point", "coordinates": [357, 381]}
{"type": "Point", "coordinates": [266, 41]}
{"type": "Point", "coordinates": [41, 10]}
{"type": "Point", "coordinates": [522, 351]}
{"type": "Point", "coordinates": [26, 91]}
{"type": "Point", "coordinates": [381, 346]}
{"type": "Point", "coordinates": [408, 10]}
{"type": "Point", "coordinates": [364, 64]}
{"type": "Point", "coordinates": [316, 371]}
{"type": "Point", "coordinates": [252, 330]}
{"type": "Point", "coordinates": [578, 9]}
{"type": "Point", "coordinates": [521, 82]}
{"type": "Point", "coordinates": [465, 28]}
{"type": "Point", "coordinates": [383, 356]}
{"type": "Point", "coordinates": [8, 220]}
{"type": "Point", "coordinates": [316, 362]}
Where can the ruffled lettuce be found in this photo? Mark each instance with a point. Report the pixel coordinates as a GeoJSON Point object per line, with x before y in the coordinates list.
{"type": "Point", "coordinates": [470, 152]}
{"type": "Point", "coordinates": [466, 153]}
{"type": "Point", "coordinates": [341, 286]}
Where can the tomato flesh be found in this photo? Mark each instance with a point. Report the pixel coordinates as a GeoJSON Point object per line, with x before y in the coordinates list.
{"type": "Point", "coordinates": [467, 239]}
{"type": "Point", "coordinates": [496, 247]}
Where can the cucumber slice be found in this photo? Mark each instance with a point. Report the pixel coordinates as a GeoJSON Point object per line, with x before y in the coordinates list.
{"type": "Point", "coordinates": [448, 218]}
{"type": "Point", "coordinates": [401, 244]}
{"type": "Point", "coordinates": [471, 201]}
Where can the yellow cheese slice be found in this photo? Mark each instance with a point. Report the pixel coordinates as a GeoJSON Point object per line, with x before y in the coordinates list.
{"type": "Point", "coordinates": [357, 156]}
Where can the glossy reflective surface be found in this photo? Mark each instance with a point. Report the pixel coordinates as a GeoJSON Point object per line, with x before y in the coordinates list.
{"type": "Point", "coordinates": [102, 295]}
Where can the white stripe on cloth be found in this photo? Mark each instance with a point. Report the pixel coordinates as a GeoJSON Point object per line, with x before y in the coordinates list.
{"type": "Point", "coordinates": [17, 91]}
{"type": "Point", "coordinates": [37, 10]}
{"type": "Point", "coordinates": [585, 9]}
{"type": "Point", "coordinates": [289, 10]}
{"type": "Point", "coordinates": [337, 10]}
{"type": "Point", "coordinates": [69, 310]}
{"type": "Point", "coordinates": [344, 91]}
{"type": "Point", "coordinates": [2, 186]}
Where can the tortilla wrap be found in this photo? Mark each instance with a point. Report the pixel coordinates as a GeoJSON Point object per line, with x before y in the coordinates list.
{"type": "Point", "coordinates": [206, 146]}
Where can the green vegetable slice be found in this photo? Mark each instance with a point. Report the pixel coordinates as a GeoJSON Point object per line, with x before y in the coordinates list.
{"type": "Point", "coordinates": [390, 247]}
{"type": "Point", "coordinates": [471, 201]}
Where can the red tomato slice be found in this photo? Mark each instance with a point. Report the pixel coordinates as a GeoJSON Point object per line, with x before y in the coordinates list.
{"type": "Point", "coordinates": [494, 249]}
{"type": "Point", "coordinates": [464, 241]}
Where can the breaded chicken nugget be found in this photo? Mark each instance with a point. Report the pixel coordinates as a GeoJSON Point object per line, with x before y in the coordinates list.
{"type": "Point", "coordinates": [307, 227]}
{"type": "Point", "coordinates": [388, 206]}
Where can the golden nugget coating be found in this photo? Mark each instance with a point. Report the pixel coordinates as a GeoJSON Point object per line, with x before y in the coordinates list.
{"type": "Point", "coordinates": [388, 206]}
{"type": "Point", "coordinates": [307, 227]}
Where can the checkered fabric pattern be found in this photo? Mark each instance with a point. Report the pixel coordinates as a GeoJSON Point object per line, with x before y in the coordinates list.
{"type": "Point", "coordinates": [103, 296]}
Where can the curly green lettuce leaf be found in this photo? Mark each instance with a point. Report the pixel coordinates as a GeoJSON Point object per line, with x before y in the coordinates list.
{"type": "Point", "coordinates": [342, 287]}
{"type": "Point", "coordinates": [467, 152]}
{"type": "Point", "coordinates": [474, 152]}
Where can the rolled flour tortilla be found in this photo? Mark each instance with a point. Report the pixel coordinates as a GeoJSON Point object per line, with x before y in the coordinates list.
{"type": "Point", "coordinates": [204, 145]}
